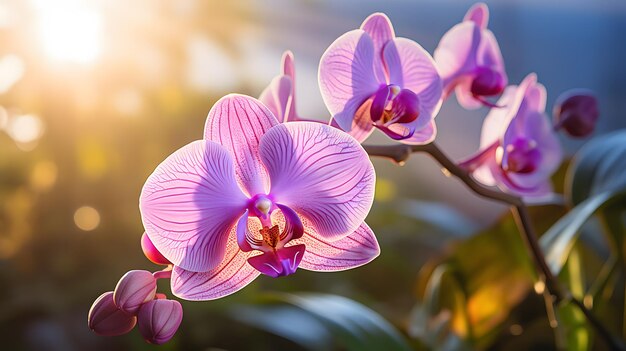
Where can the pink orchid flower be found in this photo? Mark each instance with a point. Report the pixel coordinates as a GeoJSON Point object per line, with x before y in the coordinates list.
{"type": "Point", "coordinates": [369, 78]}
{"type": "Point", "coordinates": [280, 94]}
{"type": "Point", "coordinates": [257, 196]}
{"type": "Point", "coordinates": [469, 60]}
{"type": "Point", "coordinates": [519, 149]}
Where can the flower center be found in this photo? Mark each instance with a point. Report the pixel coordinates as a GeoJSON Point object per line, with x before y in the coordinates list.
{"type": "Point", "coordinates": [522, 156]}
{"type": "Point", "coordinates": [271, 236]}
{"type": "Point", "coordinates": [263, 205]}
{"type": "Point", "coordinates": [393, 110]}
{"type": "Point", "coordinates": [276, 258]}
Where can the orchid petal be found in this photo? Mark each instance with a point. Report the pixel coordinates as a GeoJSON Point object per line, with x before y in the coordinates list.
{"type": "Point", "coordinates": [189, 204]}
{"type": "Point", "coordinates": [456, 53]}
{"type": "Point", "coordinates": [346, 76]}
{"type": "Point", "coordinates": [489, 55]}
{"type": "Point", "coordinates": [321, 173]}
{"type": "Point", "coordinates": [354, 250]}
{"type": "Point", "coordinates": [288, 66]}
{"type": "Point", "coordinates": [362, 126]}
{"type": "Point", "coordinates": [422, 136]}
{"type": "Point", "coordinates": [539, 129]}
{"type": "Point", "coordinates": [243, 232]}
{"type": "Point", "coordinates": [379, 103]}
{"type": "Point", "coordinates": [294, 228]}
{"type": "Point", "coordinates": [237, 122]}
{"type": "Point", "coordinates": [231, 275]}
{"type": "Point", "coordinates": [479, 14]}
{"type": "Point", "coordinates": [499, 118]}
{"type": "Point", "coordinates": [278, 98]}
{"type": "Point", "coordinates": [397, 131]}
{"type": "Point", "coordinates": [379, 28]}
{"type": "Point", "coordinates": [411, 67]}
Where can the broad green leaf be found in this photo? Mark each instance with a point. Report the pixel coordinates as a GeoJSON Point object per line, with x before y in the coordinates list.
{"type": "Point", "coordinates": [558, 241]}
{"type": "Point", "coordinates": [441, 324]}
{"type": "Point", "coordinates": [493, 273]}
{"type": "Point", "coordinates": [316, 321]}
{"type": "Point", "coordinates": [599, 166]}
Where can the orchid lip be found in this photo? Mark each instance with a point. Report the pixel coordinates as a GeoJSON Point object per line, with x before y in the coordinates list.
{"type": "Point", "coordinates": [487, 82]}
{"type": "Point", "coordinates": [392, 104]}
{"type": "Point", "coordinates": [522, 156]}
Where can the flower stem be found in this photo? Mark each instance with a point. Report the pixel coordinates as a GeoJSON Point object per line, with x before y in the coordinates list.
{"type": "Point", "coordinates": [399, 153]}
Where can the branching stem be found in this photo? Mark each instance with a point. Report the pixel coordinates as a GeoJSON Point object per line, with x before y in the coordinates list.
{"type": "Point", "coordinates": [400, 153]}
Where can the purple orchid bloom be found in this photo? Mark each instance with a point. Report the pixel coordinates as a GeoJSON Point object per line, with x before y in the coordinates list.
{"type": "Point", "coordinates": [280, 94]}
{"type": "Point", "coordinates": [370, 78]}
{"type": "Point", "coordinates": [297, 193]}
{"type": "Point", "coordinates": [469, 60]}
{"type": "Point", "coordinates": [519, 149]}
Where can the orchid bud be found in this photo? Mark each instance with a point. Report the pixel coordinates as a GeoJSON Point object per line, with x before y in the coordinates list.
{"type": "Point", "coordinates": [134, 288]}
{"type": "Point", "coordinates": [576, 112]}
{"type": "Point", "coordinates": [159, 320]}
{"type": "Point", "coordinates": [151, 251]}
{"type": "Point", "coordinates": [108, 320]}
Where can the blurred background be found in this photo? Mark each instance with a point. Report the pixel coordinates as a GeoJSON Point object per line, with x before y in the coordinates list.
{"type": "Point", "coordinates": [94, 94]}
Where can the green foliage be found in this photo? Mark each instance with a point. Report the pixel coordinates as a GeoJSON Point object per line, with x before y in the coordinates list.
{"type": "Point", "coordinates": [468, 295]}
{"type": "Point", "coordinates": [598, 167]}
{"type": "Point", "coordinates": [323, 321]}
{"type": "Point", "coordinates": [558, 241]}
{"type": "Point", "coordinates": [573, 333]}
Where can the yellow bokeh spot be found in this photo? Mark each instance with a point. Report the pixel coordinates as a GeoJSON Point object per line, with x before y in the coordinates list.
{"type": "Point", "coordinates": [92, 159]}
{"type": "Point", "coordinates": [87, 218]}
{"type": "Point", "coordinates": [385, 190]}
{"type": "Point", "coordinates": [43, 176]}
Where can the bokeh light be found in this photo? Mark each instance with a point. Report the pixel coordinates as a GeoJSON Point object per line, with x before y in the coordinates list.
{"type": "Point", "coordinates": [43, 175]}
{"type": "Point", "coordinates": [11, 71]}
{"type": "Point", "coordinates": [25, 130]}
{"type": "Point", "coordinates": [70, 30]}
{"type": "Point", "coordinates": [87, 218]}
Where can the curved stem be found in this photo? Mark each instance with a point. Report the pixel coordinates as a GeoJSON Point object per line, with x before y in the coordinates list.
{"type": "Point", "coordinates": [399, 153]}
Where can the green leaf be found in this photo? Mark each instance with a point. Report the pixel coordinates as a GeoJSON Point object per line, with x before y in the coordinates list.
{"type": "Point", "coordinates": [317, 321]}
{"type": "Point", "coordinates": [492, 273]}
{"type": "Point", "coordinates": [558, 241]}
{"type": "Point", "coordinates": [599, 166]}
{"type": "Point", "coordinates": [442, 324]}
{"type": "Point", "coordinates": [574, 333]}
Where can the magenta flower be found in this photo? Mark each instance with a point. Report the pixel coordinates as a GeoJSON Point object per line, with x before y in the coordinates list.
{"type": "Point", "coordinates": [519, 148]}
{"type": "Point", "coordinates": [280, 95]}
{"type": "Point", "coordinates": [469, 60]}
{"type": "Point", "coordinates": [369, 78]}
{"type": "Point", "coordinates": [257, 196]}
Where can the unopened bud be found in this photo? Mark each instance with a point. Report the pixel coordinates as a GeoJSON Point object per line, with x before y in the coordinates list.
{"type": "Point", "coordinates": [159, 320]}
{"type": "Point", "coordinates": [151, 251]}
{"type": "Point", "coordinates": [134, 289]}
{"type": "Point", "coordinates": [108, 320]}
{"type": "Point", "coordinates": [576, 112]}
